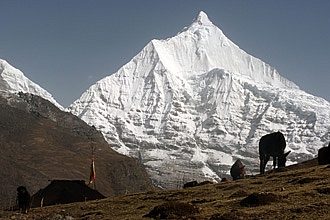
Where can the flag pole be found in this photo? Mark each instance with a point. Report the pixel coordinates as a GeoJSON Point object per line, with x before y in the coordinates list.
{"type": "Point", "coordinates": [92, 176]}
{"type": "Point", "coordinates": [93, 153]}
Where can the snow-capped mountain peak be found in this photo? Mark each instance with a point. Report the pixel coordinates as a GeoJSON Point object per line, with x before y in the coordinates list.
{"type": "Point", "coordinates": [12, 80]}
{"type": "Point", "coordinates": [203, 47]}
{"type": "Point", "coordinates": [188, 106]}
{"type": "Point", "coordinates": [202, 19]}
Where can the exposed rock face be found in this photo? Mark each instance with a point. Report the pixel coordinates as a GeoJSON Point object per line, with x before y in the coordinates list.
{"type": "Point", "coordinates": [39, 142]}
{"type": "Point", "coordinates": [190, 105]}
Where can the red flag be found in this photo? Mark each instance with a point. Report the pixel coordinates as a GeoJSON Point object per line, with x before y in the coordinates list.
{"type": "Point", "coordinates": [92, 175]}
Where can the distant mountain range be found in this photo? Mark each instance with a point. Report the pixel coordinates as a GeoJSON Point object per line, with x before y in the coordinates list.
{"type": "Point", "coordinates": [12, 80]}
{"type": "Point", "coordinates": [188, 106]}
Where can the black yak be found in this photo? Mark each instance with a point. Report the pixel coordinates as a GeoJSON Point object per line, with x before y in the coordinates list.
{"type": "Point", "coordinates": [190, 184]}
{"type": "Point", "coordinates": [224, 179]}
{"type": "Point", "coordinates": [237, 170]}
{"type": "Point", "coordinates": [23, 199]}
{"type": "Point", "coordinates": [323, 155]}
{"type": "Point", "coordinates": [272, 145]}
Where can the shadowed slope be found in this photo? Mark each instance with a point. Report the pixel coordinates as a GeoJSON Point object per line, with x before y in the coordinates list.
{"type": "Point", "coordinates": [38, 142]}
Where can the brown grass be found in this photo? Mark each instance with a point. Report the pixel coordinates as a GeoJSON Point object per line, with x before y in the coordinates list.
{"type": "Point", "coordinates": [298, 192]}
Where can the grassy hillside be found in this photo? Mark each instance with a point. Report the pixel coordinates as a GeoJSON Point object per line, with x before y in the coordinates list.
{"type": "Point", "coordinates": [297, 192]}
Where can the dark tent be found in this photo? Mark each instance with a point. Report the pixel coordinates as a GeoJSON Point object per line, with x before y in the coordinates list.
{"type": "Point", "coordinates": [64, 191]}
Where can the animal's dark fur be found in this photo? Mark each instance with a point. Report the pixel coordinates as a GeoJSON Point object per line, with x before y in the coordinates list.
{"type": "Point", "coordinates": [190, 184]}
{"type": "Point", "coordinates": [195, 183]}
{"type": "Point", "coordinates": [237, 170]}
{"type": "Point", "coordinates": [23, 199]}
{"type": "Point", "coordinates": [272, 145]}
{"type": "Point", "coordinates": [323, 155]}
{"type": "Point", "coordinates": [224, 179]}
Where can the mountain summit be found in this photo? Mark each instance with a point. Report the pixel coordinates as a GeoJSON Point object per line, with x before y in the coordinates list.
{"type": "Point", "coordinates": [202, 19]}
{"type": "Point", "coordinates": [187, 107]}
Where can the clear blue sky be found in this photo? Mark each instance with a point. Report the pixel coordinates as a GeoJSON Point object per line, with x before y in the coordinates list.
{"type": "Point", "coordinates": [67, 45]}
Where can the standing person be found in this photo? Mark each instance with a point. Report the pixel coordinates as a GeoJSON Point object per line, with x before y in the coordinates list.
{"type": "Point", "coordinates": [23, 199]}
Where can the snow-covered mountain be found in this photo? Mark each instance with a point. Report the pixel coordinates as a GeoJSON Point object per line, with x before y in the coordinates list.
{"type": "Point", "coordinates": [12, 80]}
{"type": "Point", "coordinates": [187, 107]}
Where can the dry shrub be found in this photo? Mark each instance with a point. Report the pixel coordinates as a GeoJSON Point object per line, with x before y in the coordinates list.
{"type": "Point", "coordinates": [324, 190]}
{"type": "Point", "coordinates": [173, 210]}
{"type": "Point", "coordinates": [205, 183]}
{"type": "Point", "coordinates": [258, 199]}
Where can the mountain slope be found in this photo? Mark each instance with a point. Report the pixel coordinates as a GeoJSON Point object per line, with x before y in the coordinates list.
{"type": "Point", "coordinates": [13, 80]}
{"type": "Point", "coordinates": [38, 143]}
{"type": "Point", "coordinates": [188, 106]}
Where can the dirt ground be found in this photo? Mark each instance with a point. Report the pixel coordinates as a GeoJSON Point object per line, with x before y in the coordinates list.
{"type": "Point", "coordinates": [296, 192]}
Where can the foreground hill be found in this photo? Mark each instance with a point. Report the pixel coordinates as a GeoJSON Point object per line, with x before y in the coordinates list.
{"type": "Point", "coordinates": [297, 192]}
{"type": "Point", "coordinates": [39, 142]}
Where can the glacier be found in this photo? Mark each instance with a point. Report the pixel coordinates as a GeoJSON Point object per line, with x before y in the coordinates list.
{"type": "Point", "coordinates": [13, 80]}
{"type": "Point", "coordinates": [188, 106]}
